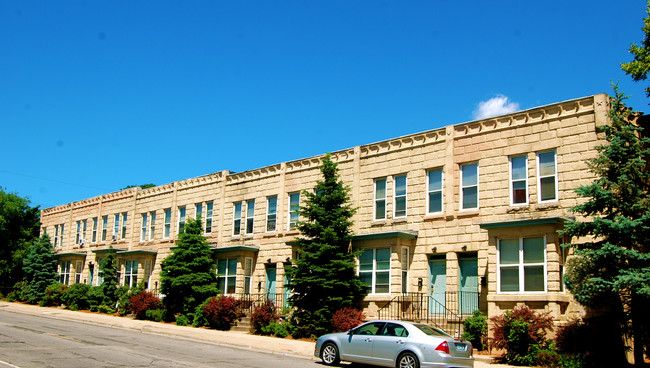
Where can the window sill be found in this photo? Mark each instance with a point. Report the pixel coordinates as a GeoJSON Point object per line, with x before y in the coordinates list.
{"type": "Point", "coordinates": [531, 297]}
{"type": "Point", "coordinates": [548, 205]}
{"type": "Point", "coordinates": [434, 216]}
{"type": "Point", "coordinates": [270, 234]}
{"type": "Point", "coordinates": [292, 232]}
{"type": "Point", "coordinates": [468, 213]}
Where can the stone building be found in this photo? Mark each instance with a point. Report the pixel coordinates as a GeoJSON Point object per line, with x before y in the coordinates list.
{"type": "Point", "coordinates": [449, 220]}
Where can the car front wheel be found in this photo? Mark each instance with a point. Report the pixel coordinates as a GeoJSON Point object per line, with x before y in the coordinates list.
{"type": "Point", "coordinates": [330, 354]}
{"type": "Point", "coordinates": [408, 360]}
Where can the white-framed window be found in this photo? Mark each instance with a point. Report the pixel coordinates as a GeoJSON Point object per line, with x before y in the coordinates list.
{"type": "Point", "coordinates": [198, 211]}
{"type": "Point", "coordinates": [78, 269]}
{"type": "Point", "coordinates": [399, 196]}
{"type": "Point", "coordinates": [168, 223]}
{"type": "Point", "coordinates": [250, 216]}
{"type": "Point", "coordinates": [152, 225]}
{"type": "Point", "coordinates": [547, 177]}
{"type": "Point", "coordinates": [518, 180]}
{"type": "Point", "coordinates": [56, 236]}
{"type": "Point", "coordinates": [116, 227]}
{"type": "Point", "coordinates": [93, 236]}
{"type": "Point", "coordinates": [227, 275]}
{"type": "Point", "coordinates": [405, 269]}
{"type": "Point", "coordinates": [124, 214]}
{"type": "Point", "coordinates": [209, 207]}
{"type": "Point", "coordinates": [144, 227]}
{"type": "Point", "coordinates": [236, 218]}
{"type": "Point", "coordinates": [294, 210]}
{"type": "Point", "coordinates": [469, 186]}
{"type": "Point", "coordinates": [522, 265]}
{"type": "Point", "coordinates": [434, 191]}
{"type": "Point", "coordinates": [380, 199]}
{"type": "Point", "coordinates": [130, 273]}
{"type": "Point", "coordinates": [271, 213]}
{"type": "Point", "coordinates": [181, 219]}
{"type": "Point", "coordinates": [104, 228]}
{"type": "Point", "coordinates": [78, 236]}
{"type": "Point", "coordinates": [248, 275]}
{"type": "Point", "coordinates": [374, 269]}
{"type": "Point", "coordinates": [64, 272]}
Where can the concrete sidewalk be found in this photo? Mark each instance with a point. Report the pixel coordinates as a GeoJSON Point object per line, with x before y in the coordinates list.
{"type": "Point", "coordinates": [240, 340]}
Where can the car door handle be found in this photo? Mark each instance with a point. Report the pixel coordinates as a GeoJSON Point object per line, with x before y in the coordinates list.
{"type": "Point", "coordinates": [368, 340]}
{"type": "Point", "coordinates": [400, 342]}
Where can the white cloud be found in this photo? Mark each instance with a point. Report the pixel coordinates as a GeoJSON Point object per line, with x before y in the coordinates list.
{"type": "Point", "coordinates": [495, 106]}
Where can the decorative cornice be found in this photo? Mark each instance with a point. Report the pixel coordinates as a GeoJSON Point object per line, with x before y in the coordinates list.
{"type": "Point", "coordinates": [264, 172]}
{"type": "Point", "coordinates": [405, 142]}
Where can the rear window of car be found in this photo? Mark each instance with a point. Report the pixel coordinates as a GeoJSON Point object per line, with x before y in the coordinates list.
{"type": "Point", "coordinates": [432, 331]}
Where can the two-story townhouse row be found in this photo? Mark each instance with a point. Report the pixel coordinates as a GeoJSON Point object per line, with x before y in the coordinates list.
{"type": "Point", "coordinates": [449, 220]}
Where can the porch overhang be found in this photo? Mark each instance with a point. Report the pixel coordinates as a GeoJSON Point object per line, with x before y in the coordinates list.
{"type": "Point", "coordinates": [70, 254]}
{"type": "Point", "coordinates": [137, 252]}
{"type": "Point", "coordinates": [237, 248]}
{"type": "Point", "coordinates": [524, 223]}
{"type": "Point", "coordinates": [401, 234]}
{"type": "Point", "coordinates": [102, 251]}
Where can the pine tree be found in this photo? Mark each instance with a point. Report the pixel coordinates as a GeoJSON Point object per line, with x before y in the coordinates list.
{"type": "Point", "coordinates": [640, 66]}
{"type": "Point", "coordinates": [612, 264]}
{"type": "Point", "coordinates": [40, 269]}
{"type": "Point", "coordinates": [188, 275]}
{"type": "Point", "coordinates": [108, 274]}
{"type": "Point", "coordinates": [324, 277]}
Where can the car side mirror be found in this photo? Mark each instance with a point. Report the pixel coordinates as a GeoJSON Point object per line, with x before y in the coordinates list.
{"type": "Point", "coordinates": [351, 332]}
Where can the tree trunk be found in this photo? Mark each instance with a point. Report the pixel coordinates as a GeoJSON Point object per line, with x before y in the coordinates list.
{"type": "Point", "coordinates": [637, 330]}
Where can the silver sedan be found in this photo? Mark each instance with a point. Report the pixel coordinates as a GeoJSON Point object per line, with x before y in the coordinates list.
{"type": "Point", "coordinates": [395, 344]}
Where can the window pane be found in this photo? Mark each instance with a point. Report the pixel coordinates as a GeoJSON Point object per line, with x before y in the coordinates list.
{"type": "Point", "coordinates": [548, 188]}
{"type": "Point", "coordinates": [435, 180]}
{"type": "Point", "coordinates": [380, 188]}
{"type": "Point", "coordinates": [510, 279]}
{"type": "Point", "coordinates": [383, 256]}
{"type": "Point", "coordinates": [383, 282]}
{"type": "Point", "coordinates": [381, 210]}
{"type": "Point", "coordinates": [470, 197]}
{"type": "Point", "coordinates": [519, 191]}
{"type": "Point", "coordinates": [509, 251]}
{"type": "Point", "coordinates": [365, 260]}
{"type": "Point", "coordinates": [366, 278]}
{"type": "Point", "coordinates": [221, 267]}
{"type": "Point", "coordinates": [435, 202]}
{"type": "Point", "coordinates": [400, 207]}
{"type": "Point", "coordinates": [400, 185]}
{"type": "Point", "coordinates": [534, 250]}
{"type": "Point", "coordinates": [547, 163]}
{"type": "Point", "coordinates": [534, 278]}
{"type": "Point", "coordinates": [518, 168]}
{"type": "Point", "coordinates": [232, 281]}
{"type": "Point", "coordinates": [470, 174]}
{"type": "Point", "coordinates": [232, 267]}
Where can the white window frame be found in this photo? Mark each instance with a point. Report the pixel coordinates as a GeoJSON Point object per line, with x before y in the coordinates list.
{"type": "Point", "coordinates": [237, 212]}
{"type": "Point", "coordinates": [227, 276]}
{"type": "Point", "coordinates": [463, 187]}
{"type": "Point", "coordinates": [78, 269]}
{"type": "Point", "coordinates": [78, 237]}
{"type": "Point", "coordinates": [271, 217]}
{"type": "Point", "coordinates": [512, 180]}
{"type": "Point", "coordinates": [64, 272]}
{"type": "Point", "coordinates": [399, 197]}
{"type": "Point", "coordinates": [521, 266]}
{"type": "Point", "coordinates": [293, 213]}
{"type": "Point", "coordinates": [375, 270]}
{"type": "Point", "coordinates": [152, 225]}
{"type": "Point", "coordinates": [56, 236]}
{"type": "Point", "coordinates": [209, 209]}
{"type": "Point", "coordinates": [250, 217]}
{"type": "Point", "coordinates": [124, 224]}
{"type": "Point", "coordinates": [248, 275]}
{"type": "Point", "coordinates": [116, 226]}
{"type": "Point", "coordinates": [144, 228]}
{"type": "Point", "coordinates": [198, 211]}
{"type": "Point", "coordinates": [379, 199]}
{"type": "Point", "coordinates": [405, 263]}
{"type": "Point", "coordinates": [131, 275]}
{"type": "Point", "coordinates": [93, 236]}
{"type": "Point", "coordinates": [181, 219]}
{"type": "Point", "coordinates": [167, 228]}
{"type": "Point", "coordinates": [540, 177]}
{"type": "Point", "coordinates": [104, 228]}
{"type": "Point", "coordinates": [433, 191]}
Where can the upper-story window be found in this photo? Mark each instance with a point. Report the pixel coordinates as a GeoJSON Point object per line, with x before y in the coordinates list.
{"type": "Point", "coordinates": [124, 225]}
{"type": "Point", "coordinates": [518, 180]}
{"type": "Point", "coordinates": [152, 225]}
{"type": "Point", "coordinates": [181, 219]}
{"type": "Point", "coordinates": [168, 223]}
{"type": "Point", "coordinates": [547, 176]}
{"type": "Point", "coordinates": [93, 236]}
{"type": "Point", "coordinates": [144, 227]}
{"type": "Point", "coordinates": [434, 189]}
{"type": "Point", "coordinates": [469, 186]}
{"type": "Point", "coordinates": [250, 216]}
{"type": "Point", "coordinates": [209, 206]}
{"type": "Point", "coordinates": [271, 212]}
{"type": "Point", "coordinates": [294, 209]}
{"type": "Point", "coordinates": [380, 199]}
{"type": "Point", "coordinates": [116, 227]}
{"type": "Point", "coordinates": [522, 265]}
{"type": "Point", "coordinates": [104, 228]}
{"type": "Point", "coordinates": [236, 219]}
{"type": "Point", "coordinates": [198, 210]}
{"type": "Point", "coordinates": [400, 196]}
{"type": "Point", "coordinates": [58, 235]}
{"type": "Point", "coordinates": [81, 232]}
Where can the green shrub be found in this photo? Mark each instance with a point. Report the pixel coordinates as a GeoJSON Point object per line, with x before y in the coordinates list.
{"type": "Point", "coordinates": [520, 333]}
{"type": "Point", "coordinates": [19, 293]}
{"type": "Point", "coordinates": [222, 312]}
{"type": "Point", "coordinates": [103, 308]}
{"type": "Point", "coordinates": [263, 315]}
{"type": "Point", "coordinates": [476, 329]}
{"type": "Point", "coordinates": [276, 329]}
{"type": "Point", "coordinates": [53, 295]}
{"type": "Point", "coordinates": [95, 298]}
{"type": "Point", "coordinates": [76, 297]}
{"type": "Point", "coordinates": [155, 315]}
{"type": "Point", "coordinates": [182, 320]}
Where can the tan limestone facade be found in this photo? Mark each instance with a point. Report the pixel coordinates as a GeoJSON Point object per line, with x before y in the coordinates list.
{"type": "Point", "coordinates": [465, 216]}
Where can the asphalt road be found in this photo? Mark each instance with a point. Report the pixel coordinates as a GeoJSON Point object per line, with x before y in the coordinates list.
{"type": "Point", "coordinates": [28, 341]}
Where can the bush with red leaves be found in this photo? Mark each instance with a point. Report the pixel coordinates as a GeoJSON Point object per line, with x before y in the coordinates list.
{"type": "Point", "coordinates": [263, 315]}
{"type": "Point", "coordinates": [141, 302]}
{"type": "Point", "coordinates": [222, 312]}
{"type": "Point", "coordinates": [347, 318]}
{"type": "Point", "coordinates": [517, 330]}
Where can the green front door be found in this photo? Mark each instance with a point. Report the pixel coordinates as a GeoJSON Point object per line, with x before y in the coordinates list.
{"type": "Point", "coordinates": [271, 272]}
{"type": "Point", "coordinates": [468, 291]}
{"type": "Point", "coordinates": [437, 285]}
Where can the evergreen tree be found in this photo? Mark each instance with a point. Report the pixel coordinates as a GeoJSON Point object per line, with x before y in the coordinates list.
{"type": "Point", "coordinates": [108, 273]}
{"type": "Point", "coordinates": [612, 265]}
{"type": "Point", "coordinates": [188, 275]}
{"type": "Point", "coordinates": [324, 277]}
{"type": "Point", "coordinates": [40, 269]}
{"type": "Point", "coordinates": [640, 66]}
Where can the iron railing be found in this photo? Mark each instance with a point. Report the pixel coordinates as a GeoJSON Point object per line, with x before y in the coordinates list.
{"type": "Point", "coordinates": [250, 301]}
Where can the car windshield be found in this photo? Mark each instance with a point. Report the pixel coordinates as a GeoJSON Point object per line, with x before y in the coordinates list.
{"type": "Point", "coordinates": [431, 331]}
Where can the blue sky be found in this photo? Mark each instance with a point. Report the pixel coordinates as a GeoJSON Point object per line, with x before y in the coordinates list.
{"type": "Point", "coordinates": [97, 95]}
